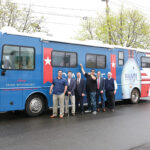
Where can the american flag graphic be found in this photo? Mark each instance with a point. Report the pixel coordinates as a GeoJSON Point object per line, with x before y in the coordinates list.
{"type": "Point", "coordinates": [145, 80]}
{"type": "Point", "coordinates": [47, 67]}
{"type": "Point", "coordinates": [113, 66]}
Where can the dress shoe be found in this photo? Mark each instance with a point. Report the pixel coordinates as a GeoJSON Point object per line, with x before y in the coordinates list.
{"type": "Point", "coordinates": [104, 110]}
{"type": "Point", "coordinates": [53, 116]}
{"type": "Point", "coordinates": [72, 114]}
{"type": "Point", "coordinates": [82, 113]}
{"type": "Point", "coordinates": [61, 116]}
{"type": "Point", "coordinates": [66, 115]}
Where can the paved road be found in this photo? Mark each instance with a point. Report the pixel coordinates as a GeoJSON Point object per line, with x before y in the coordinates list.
{"type": "Point", "coordinates": [128, 128]}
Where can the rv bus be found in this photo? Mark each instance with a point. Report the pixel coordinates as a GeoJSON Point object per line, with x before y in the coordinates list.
{"type": "Point", "coordinates": [29, 63]}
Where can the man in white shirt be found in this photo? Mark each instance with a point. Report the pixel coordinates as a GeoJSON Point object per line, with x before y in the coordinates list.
{"type": "Point", "coordinates": [100, 91]}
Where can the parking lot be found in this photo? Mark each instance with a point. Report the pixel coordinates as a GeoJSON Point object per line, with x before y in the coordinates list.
{"type": "Point", "coordinates": [128, 128]}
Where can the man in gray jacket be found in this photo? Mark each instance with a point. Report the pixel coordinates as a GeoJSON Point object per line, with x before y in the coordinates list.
{"type": "Point", "coordinates": [70, 94]}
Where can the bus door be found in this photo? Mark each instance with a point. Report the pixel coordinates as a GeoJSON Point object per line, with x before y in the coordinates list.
{"type": "Point", "coordinates": [16, 61]}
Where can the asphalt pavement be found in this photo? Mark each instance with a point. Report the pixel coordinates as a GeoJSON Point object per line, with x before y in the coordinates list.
{"type": "Point", "coordinates": [128, 128]}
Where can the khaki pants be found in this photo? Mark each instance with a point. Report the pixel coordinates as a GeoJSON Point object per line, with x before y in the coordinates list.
{"type": "Point", "coordinates": [57, 98]}
{"type": "Point", "coordinates": [72, 98]}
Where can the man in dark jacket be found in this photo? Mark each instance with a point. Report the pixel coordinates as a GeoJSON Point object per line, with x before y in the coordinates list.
{"type": "Point", "coordinates": [70, 94]}
{"type": "Point", "coordinates": [79, 93]}
{"type": "Point", "coordinates": [110, 88]}
{"type": "Point", "coordinates": [100, 92]}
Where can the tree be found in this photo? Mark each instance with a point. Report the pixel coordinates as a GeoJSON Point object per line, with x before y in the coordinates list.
{"type": "Point", "coordinates": [21, 19]}
{"type": "Point", "coordinates": [127, 28]}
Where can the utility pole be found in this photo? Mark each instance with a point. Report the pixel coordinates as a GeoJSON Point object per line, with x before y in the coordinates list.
{"type": "Point", "coordinates": [108, 21]}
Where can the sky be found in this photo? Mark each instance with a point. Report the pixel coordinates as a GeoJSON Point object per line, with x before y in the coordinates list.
{"type": "Point", "coordinates": [63, 17]}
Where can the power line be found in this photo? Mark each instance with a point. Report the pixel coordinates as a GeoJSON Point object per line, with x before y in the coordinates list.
{"type": "Point", "coordinates": [53, 7]}
{"type": "Point", "coordinates": [67, 24]}
{"type": "Point", "coordinates": [56, 14]}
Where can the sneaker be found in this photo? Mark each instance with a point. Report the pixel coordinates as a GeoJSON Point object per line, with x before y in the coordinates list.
{"type": "Point", "coordinates": [94, 112]}
{"type": "Point", "coordinates": [112, 110]}
{"type": "Point", "coordinates": [88, 111]}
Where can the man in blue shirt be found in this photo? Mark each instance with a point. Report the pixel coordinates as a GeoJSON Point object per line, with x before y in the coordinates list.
{"type": "Point", "coordinates": [59, 87]}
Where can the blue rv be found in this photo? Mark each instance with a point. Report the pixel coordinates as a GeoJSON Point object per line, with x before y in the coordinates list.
{"type": "Point", "coordinates": [29, 63]}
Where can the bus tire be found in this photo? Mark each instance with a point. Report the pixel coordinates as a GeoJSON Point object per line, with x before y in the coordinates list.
{"type": "Point", "coordinates": [135, 96]}
{"type": "Point", "coordinates": [35, 105]}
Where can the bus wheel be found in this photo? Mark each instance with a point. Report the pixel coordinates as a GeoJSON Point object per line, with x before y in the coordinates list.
{"type": "Point", "coordinates": [135, 96]}
{"type": "Point", "coordinates": [35, 105]}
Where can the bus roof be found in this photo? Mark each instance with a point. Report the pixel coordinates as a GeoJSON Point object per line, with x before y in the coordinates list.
{"type": "Point", "coordinates": [43, 37]}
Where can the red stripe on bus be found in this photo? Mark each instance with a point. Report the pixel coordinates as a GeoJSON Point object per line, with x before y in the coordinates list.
{"type": "Point", "coordinates": [145, 80]}
{"type": "Point", "coordinates": [19, 89]}
{"type": "Point", "coordinates": [143, 74]}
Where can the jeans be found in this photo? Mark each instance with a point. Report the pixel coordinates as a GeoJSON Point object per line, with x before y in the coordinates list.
{"type": "Point", "coordinates": [89, 100]}
{"type": "Point", "coordinates": [93, 100]}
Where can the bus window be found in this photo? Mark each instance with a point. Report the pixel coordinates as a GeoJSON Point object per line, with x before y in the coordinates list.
{"type": "Point", "coordinates": [64, 59]}
{"type": "Point", "coordinates": [17, 58]}
{"type": "Point", "coordinates": [101, 61]}
{"type": "Point", "coordinates": [121, 58]}
{"type": "Point", "coordinates": [145, 62]}
{"type": "Point", "coordinates": [90, 61]}
{"type": "Point", "coordinates": [27, 58]}
{"type": "Point", "coordinates": [58, 59]}
{"type": "Point", "coordinates": [10, 57]}
{"type": "Point", "coordinates": [71, 59]}
{"type": "Point", "coordinates": [95, 61]}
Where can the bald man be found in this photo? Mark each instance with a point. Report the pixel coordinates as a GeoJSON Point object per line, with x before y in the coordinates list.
{"type": "Point", "coordinates": [110, 88]}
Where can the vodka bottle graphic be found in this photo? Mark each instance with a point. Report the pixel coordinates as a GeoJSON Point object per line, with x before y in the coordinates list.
{"type": "Point", "coordinates": [130, 78]}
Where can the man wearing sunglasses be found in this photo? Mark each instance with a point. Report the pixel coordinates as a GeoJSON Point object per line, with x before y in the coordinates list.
{"type": "Point", "coordinates": [91, 86]}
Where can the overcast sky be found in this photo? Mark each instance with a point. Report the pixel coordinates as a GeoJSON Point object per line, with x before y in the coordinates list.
{"type": "Point", "coordinates": [64, 16]}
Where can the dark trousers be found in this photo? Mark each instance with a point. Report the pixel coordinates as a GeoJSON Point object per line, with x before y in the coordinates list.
{"type": "Point", "coordinates": [110, 99]}
{"type": "Point", "coordinates": [89, 100]}
{"type": "Point", "coordinates": [98, 94]}
{"type": "Point", "coordinates": [79, 100]}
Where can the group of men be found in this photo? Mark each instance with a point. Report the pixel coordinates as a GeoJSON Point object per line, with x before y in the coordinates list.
{"type": "Point", "coordinates": [74, 90]}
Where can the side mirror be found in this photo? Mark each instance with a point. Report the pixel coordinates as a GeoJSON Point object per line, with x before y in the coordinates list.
{"type": "Point", "coordinates": [3, 72]}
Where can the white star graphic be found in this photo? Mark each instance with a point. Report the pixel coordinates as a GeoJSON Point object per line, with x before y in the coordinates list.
{"type": "Point", "coordinates": [113, 64]}
{"type": "Point", "coordinates": [48, 61]}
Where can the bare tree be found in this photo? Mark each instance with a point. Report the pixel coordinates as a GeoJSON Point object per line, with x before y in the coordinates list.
{"type": "Point", "coordinates": [21, 19]}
